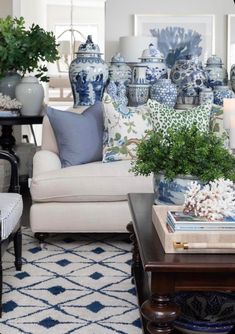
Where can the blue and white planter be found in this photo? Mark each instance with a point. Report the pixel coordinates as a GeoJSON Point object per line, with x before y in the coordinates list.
{"type": "Point", "coordinates": [164, 91]}
{"type": "Point", "coordinates": [88, 74]}
{"type": "Point", "coordinates": [138, 94]}
{"type": "Point", "coordinates": [171, 192]}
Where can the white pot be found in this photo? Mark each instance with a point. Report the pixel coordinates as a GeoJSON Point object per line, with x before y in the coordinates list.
{"type": "Point", "coordinates": [31, 94]}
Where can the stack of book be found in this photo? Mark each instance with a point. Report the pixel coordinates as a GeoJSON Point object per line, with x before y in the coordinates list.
{"type": "Point", "coordinates": [178, 221]}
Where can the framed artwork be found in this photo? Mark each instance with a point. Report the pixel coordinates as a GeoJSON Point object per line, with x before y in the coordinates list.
{"type": "Point", "coordinates": [179, 35]}
{"type": "Point", "coordinates": [231, 41]}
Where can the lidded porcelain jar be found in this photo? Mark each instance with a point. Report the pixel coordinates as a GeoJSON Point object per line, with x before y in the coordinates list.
{"type": "Point", "coordinates": [155, 63]}
{"type": "Point", "coordinates": [88, 74]}
{"type": "Point", "coordinates": [119, 71]}
{"type": "Point", "coordinates": [31, 94]}
{"type": "Point", "coordinates": [164, 91]}
{"type": "Point", "coordinates": [221, 93]}
{"type": "Point", "coordinates": [206, 95]}
{"type": "Point", "coordinates": [217, 73]}
{"type": "Point", "coordinates": [190, 78]}
{"type": "Point", "coordinates": [232, 77]}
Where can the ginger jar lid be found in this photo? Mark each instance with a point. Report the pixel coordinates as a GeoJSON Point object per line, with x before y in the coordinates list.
{"type": "Point", "coordinates": [117, 59]}
{"type": "Point", "coordinates": [88, 47]}
{"type": "Point", "coordinates": [152, 53]}
{"type": "Point", "coordinates": [214, 60]}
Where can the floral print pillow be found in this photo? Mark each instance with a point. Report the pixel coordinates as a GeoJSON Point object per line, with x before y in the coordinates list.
{"type": "Point", "coordinates": [124, 128]}
{"type": "Point", "coordinates": [165, 117]}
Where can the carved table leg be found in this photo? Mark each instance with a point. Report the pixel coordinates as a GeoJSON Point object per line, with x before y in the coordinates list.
{"type": "Point", "coordinates": [136, 261]}
{"type": "Point", "coordinates": [18, 249]}
{"type": "Point", "coordinates": [160, 313]}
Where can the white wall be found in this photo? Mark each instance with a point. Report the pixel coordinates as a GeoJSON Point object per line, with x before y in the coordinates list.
{"type": "Point", "coordinates": [5, 8]}
{"type": "Point", "coordinates": [120, 18]}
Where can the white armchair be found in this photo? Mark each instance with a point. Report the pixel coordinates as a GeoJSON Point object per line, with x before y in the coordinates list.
{"type": "Point", "coordinates": [86, 198]}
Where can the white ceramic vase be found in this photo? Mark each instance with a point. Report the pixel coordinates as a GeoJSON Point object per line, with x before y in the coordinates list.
{"type": "Point", "coordinates": [31, 94]}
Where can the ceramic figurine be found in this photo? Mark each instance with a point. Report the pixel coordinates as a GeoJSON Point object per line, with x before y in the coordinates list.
{"type": "Point", "coordinates": [118, 93]}
{"type": "Point", "coordinates": [217, 73]}
{"type": "Point", "coordinates": [164, 91]}
{"type": "Point", "coordinates": [88, 74]}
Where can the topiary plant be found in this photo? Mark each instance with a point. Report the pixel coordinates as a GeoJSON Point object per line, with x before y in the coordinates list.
{"type": "Point", "coordinates": [184, 152]}
{"type": "Point", "coordinates": [24, 50]}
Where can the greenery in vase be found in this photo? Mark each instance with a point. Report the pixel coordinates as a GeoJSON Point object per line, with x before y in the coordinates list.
{"type": "Point", "coordinates": [184, 152]}
{"type": "Point", "coordinates": [24, 50]}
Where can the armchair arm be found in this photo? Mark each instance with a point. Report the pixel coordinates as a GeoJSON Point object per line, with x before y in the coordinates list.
{"type": "Point", "coordinates": [14, 185]}
{"type": "Point", "coordinates": [45, 161]}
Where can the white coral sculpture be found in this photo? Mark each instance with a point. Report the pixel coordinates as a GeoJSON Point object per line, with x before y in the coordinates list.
{"type": "Point", "coordinates": [212, 201]}
{"type": "Point", "coordinates": [6, 103]}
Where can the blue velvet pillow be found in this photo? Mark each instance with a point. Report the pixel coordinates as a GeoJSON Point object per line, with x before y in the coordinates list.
{"type": "Point", "coordinates": [79, 136]}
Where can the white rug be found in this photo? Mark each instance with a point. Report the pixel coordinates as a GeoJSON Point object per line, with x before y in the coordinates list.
{"type": "Point", "coordinates": [77, 284]}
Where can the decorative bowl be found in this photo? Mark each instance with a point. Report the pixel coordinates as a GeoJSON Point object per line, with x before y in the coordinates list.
{"type": "Point", "coordinates": [205, 312]}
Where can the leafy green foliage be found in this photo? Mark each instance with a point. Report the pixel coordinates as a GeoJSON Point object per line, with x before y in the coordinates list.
{"type": "Point", "coordinates": [187, 152]}
{"type": "Point", "coordinates": [24, 50]}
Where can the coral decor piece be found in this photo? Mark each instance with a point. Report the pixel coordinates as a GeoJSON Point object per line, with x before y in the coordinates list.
{"type": "Point", "coordinates": [6, 103]}
{"type": "Point", "coordinates": [214, 201]}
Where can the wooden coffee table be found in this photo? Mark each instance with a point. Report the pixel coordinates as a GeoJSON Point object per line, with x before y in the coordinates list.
{"type": "Point", "coordinates": [158, 275]}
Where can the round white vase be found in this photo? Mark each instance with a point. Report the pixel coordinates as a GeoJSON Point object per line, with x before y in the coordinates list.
{"type": "Point", "coordinates": [31, 94]}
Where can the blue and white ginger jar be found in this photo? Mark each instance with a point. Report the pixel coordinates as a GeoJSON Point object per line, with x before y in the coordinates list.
{"type": "Point", "coordinates": [217, 73]}
{"type": "Point", "coordinates": [232, 77]}
{"type": "Point", "coordinates": [164, 91]}
{"type": "Point", "coordinates": [88, 74]}
{"type": "Point", "coordinates": [138, 94]}
{"type": "Point", "coordinates": [119, 71]}
{"type": "Point", "coordinates": [190, 78]}
{"type": "Point", "coordinates": [221, 93]}
{"type": "Point", "coordinates": [155, 63]}
{"type": "Point", "coordinates": [206, 96]}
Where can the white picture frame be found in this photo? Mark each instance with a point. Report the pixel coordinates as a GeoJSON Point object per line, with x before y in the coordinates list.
{"type": "Point", "coordinates": [230, 41]}
{"type": "Point", "coordinates": [202, 24]}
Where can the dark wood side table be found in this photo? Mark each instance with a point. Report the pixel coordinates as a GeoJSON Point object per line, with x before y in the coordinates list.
{"type": "Point", "coordinates": [158, 275]}
{"type": "Point", "coordinates": [7, 140]}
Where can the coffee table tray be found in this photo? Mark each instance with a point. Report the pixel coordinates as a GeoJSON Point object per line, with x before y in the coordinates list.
{"type": "Point", "coordinates": [216, 242]}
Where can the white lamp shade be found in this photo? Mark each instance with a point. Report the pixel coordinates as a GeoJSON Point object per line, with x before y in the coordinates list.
{"type": "Point", "coordinates": [131, 47]}
{"type": "Point", "coordinates": [229, 111]}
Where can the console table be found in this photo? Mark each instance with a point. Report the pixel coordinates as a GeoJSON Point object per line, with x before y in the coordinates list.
{"type": "Point", "coordinates": [158, 275]}
{"type": "Point", "coordinates": [7, 140]}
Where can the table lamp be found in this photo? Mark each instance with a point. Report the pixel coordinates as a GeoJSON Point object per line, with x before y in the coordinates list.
{"type": "Point", "coordinates": [131, 47]}
{"type": "Point", "coordinates": [229, 111]}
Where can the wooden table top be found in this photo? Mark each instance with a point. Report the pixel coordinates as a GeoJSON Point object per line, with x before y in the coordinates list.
{"type": "Point", "coordinates": [151, 251]}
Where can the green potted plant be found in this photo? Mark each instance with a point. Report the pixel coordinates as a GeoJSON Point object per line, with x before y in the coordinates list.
{"type": "Point", "coordinates": [178, 158]}
{"type": "Point", "coordinates": [25, 50]}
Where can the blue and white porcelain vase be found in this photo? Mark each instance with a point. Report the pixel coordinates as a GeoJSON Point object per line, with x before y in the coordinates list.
{"type": "Point", "coordinates": [155, 63]}
{"type": "Point", "coordinates": [221, 93]}
{"type": "Point", "coordinates": [217, 73]}
{"type": "Point", "coordinates": [119, 71]}
{"type": "Point", "coordinates": [138, 94]}
{"type": "Point", "coordinates": [88, 74]}
{"type": "Point", "coordinates": [189, 77]}
{"type": "Point", "coordinates": [206, 96]}
{"type": "Point", "coordinates": [164, 91]}
{"type": "Point", "coordinates": [232, 77]}
{"type": "Point", "coordinates": [171, 192]}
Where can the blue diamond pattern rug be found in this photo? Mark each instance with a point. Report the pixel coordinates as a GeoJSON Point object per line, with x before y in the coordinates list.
{"type": "Point", "coordinates": [76, 284]}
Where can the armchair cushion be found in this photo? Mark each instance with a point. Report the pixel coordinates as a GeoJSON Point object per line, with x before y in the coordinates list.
{"type": "Point", "coordinates": [79, 136]}
{"type": "Point", "coordinates": [94, 182]}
